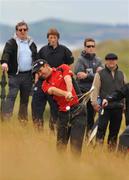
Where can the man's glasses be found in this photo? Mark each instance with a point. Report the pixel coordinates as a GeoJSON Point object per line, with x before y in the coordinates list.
{"type": "Point", "coordinates": [23, 29]}
{"type": "Point", "coordinates": [89, 46]}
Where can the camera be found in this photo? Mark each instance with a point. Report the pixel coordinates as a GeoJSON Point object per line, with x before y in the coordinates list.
{"type": "Point", "coordinates": [89, 70]}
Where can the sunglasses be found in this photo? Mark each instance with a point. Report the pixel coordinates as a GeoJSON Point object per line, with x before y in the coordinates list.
{"type": "Point", "coordinates": [22, 29]}
{"type": "Point", "coordinates": [89, 46]}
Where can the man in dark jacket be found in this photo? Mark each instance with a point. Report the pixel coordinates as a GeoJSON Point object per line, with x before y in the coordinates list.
{"type": "Point", "coordinates": [55, 54]}
{"type": "Point", "coordinates": [18, 55]}
{"type": "Point", "coordinates": [116, 96]}
{"type": "Point", "coordinates": [86, 67]}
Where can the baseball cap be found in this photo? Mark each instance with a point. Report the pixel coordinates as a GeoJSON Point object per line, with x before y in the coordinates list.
{"type": "Point", "coordinates": [38, 64]}
{"type": "Point", "coordinates": [111, 56]}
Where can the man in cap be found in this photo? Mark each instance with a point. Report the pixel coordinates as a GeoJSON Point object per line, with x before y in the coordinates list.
{"type": "Point", "coordinates": [105, 82]}
{"type": "Point", "coordinates": [58, 83]}
{"type": "Point", "coordinates": [55, 54]}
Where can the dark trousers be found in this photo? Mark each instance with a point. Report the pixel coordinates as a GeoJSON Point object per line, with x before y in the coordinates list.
{"type": "Point", "coordinates": [39, 100]}
{"type": "Point", "coordinates": [75, 131]}
{"type": "Point", "coordinates": [114, 116]}
{"type": "Point", "coordinates": [90, 116]}
{"type": "Point", "coordinates": [23, 83]}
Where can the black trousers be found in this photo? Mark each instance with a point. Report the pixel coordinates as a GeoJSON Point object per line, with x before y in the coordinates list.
{"type": "Point", "coordinates": [90, 116]}
{"type": "Point", "coordinates": [114, 118]}
{"type": "Point", "coordinates": [39, 100]}
{"type": "Point", "coordinates": [23, 83]}
{"type": "Point", "coordinates": [73, 131]}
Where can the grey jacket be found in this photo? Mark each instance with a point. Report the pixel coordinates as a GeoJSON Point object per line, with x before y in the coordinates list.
{"type": "Point", "coordinates": [87, 63]}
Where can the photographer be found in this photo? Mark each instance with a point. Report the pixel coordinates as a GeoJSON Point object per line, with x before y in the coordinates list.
{"type": "Point", "coordinates": [118, 95]}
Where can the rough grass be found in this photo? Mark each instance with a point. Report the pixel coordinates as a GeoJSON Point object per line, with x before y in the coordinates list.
{"type": "Point", "coordinates": [28, 155]}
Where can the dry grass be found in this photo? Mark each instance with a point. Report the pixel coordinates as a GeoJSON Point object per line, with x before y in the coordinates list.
{"type": "Point", "coordinates": [28, 155]}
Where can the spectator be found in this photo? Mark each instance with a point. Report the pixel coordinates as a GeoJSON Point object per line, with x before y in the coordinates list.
{"type": "Point", "coordinates": [86, 67]}
{"type": "Point", "coordinates": [18, 55]}
{"type": "Point", "coordinates": [55, 54]}
{"type": "Point", "coordinates": [105, 82]}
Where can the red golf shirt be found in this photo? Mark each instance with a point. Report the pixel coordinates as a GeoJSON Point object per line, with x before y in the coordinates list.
{"type": "Point", "coordinates": [57, 80]}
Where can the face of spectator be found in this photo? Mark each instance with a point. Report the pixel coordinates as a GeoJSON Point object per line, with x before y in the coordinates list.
{"type": "Point", "coordinates": [53, 40]}
{"type": "Point", "coordinates": [111, 63]}
{"type": "Point", "coordinates": [21, 32]}
{"type": "Point", "coordinates": [90, 47]}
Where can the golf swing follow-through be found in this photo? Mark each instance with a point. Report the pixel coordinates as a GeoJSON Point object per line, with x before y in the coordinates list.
{"type": "Point", "coordinates": [58, 83]}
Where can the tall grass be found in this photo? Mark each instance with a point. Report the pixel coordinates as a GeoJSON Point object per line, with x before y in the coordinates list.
{"type": "Point", "coordinates": [26, 154]}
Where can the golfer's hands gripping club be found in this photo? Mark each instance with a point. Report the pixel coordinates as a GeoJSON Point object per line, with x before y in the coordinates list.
{"type": "Point", "coordinates": [68, 96]}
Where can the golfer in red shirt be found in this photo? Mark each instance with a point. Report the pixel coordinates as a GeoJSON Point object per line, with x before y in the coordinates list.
{"type": "Point", "coordinates": [58, 83]}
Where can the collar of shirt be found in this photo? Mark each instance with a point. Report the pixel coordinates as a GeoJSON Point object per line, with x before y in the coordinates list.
{"type": "Point", "coordinates": [51, 47]}
{"type": "Point", "coordinates": [23, 41]}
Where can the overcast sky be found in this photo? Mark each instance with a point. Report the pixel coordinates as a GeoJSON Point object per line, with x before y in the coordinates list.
{"type": "Point", "coordinates": [101, 11]}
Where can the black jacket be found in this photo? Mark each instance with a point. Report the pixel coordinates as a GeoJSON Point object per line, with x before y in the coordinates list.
{"type": "Point", "coordinates": [9, 55]}
{"type": "Point", "coordinates": [120, 94]}
{"type": "Point", "coordinates": [56, 57]}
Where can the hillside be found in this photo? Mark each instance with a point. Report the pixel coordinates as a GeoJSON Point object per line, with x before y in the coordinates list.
{"type": "Point", "coordinates": [71, 32]}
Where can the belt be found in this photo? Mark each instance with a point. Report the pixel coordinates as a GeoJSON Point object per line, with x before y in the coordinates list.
{"type": "Point", "coordinates": [24, 72]}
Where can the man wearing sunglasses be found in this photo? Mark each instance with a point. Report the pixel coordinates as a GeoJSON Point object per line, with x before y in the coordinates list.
{"type": "Point", "coordinates": [86, 67]}
{"type": "Point", "coordinates": [18, 55]}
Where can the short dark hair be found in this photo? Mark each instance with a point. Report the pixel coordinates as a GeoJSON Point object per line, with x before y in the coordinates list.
{"type": "Point", "coordinates": [53, 31]}
{"type": "Point", "coordinates": [22, 23]}
{"type": "Point", "coordinates": [87, 40]}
